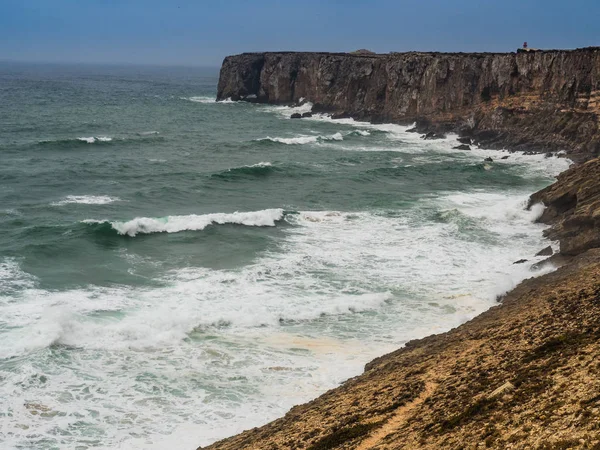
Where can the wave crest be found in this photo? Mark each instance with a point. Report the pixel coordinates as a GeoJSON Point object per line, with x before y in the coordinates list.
{"type": "Point", "coordinates": [192, 222]}
{"type": "Point", "coordinates": [100, 140]}
{"type": "Point", "coordinates": [86, 200]}
{"type": "Point", "coordinates": [303, 139]}
{"type": "Point", "coordinates": [255, 170]}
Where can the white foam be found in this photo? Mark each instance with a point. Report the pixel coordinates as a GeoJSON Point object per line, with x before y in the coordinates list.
{"type": "Point", "coordinates": [200, 99]}
{"type": "Point", "coordinates": [292, 141]}
{"type": "Point", "coordinates": [94, 139]}
{"type": "Point", "coordinates": [12, 277]}
{"type": "Point", "coordinates": [262, 164]}
{"type": "Point", "coordinates": [304, 139]}
{"type": "Point", "coordinates": [209, 100]}
{"type": "Point", "coordinates": [87, 200]}
{"type": "Point", "coordinates": [193, 222]}
{"type": "Point", "coordinates": [287, 111]}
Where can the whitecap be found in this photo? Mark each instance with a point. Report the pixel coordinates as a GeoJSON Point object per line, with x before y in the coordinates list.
{"type": "Point", "coordinates": [261, 164]}
{"type": "Point", "coordinates": [94, 139]}
{"type": "Point", "coordinates": [193, 222]}
{"type": "Point", "coordinates": [86, 200]}
{"type": "Point", "coordinates": [304, 139]}
{"type": "Point", "coordinates": [208, 100]}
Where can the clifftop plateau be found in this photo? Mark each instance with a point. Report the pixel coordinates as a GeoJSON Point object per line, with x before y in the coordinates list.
{"type": "Point", "coordinates": [538, 101]}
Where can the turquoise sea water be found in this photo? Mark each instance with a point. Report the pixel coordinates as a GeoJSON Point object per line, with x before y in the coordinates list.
{"type": "Point", "coordinates": [175, 270]}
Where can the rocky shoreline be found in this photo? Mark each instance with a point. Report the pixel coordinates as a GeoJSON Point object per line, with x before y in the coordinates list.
{"type": "Point", "coordinates": [522, 375]}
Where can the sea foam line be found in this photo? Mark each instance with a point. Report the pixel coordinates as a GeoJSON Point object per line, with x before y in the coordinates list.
{"type": "Point", "coordinates": [86, 200]}
{"type": "Point", "coordinates": [94, 139]}
{"type": "Point", "coordinates": [304, 139]}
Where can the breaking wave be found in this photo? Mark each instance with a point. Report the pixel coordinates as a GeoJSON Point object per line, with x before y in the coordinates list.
{"type": "Point", "coordinates": [206, 99]}
{"type": "Point", "coordinates": [299, 140]}
{"type": "Point", "coordinates": [100, 140]}
{"type": "Point", "coordinates": [260, 169]}
{"type": "Point", "coordinates": [192, 222]}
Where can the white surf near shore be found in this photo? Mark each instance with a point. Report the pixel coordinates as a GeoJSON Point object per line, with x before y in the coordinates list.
{"type": "Point", "coordinates": [344, 288]}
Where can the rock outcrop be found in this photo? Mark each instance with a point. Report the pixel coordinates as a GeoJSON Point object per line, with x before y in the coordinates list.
{"type": "Point", "coordinates": [573, 208]}
{"type": "Point", "coordinates": [540, 101]}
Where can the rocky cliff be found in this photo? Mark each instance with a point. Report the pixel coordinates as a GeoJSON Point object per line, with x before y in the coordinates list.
{"type": "Point", "coordinates": [541, 101]}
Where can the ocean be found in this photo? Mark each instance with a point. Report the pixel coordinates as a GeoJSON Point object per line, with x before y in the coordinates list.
{"type": "Point", "coordinates": [175, 270]}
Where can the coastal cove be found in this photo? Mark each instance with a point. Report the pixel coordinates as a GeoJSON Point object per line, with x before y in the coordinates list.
{"type": "Point", "coordinates": [524, 373]}
{"type": "Point", "coordinates": [224, 265]}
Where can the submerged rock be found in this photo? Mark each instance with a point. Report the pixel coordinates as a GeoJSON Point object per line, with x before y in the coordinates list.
{"type": "Point", "coordinates": [488, 159]}
{"type": "Point", "coordinates": [505, 157]}
{"type": "Point", "coordinates": [520, 261]}
{"type": "Point", "coordinates": [296, 116]}
{"type": "Point", "coordinates": [462, 147]}
{"type": "Point", "coordinates": [432, 135]}
{"type": "Point", "coordinates": [307, 114]}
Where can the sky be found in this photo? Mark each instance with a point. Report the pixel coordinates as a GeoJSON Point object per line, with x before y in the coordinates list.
{"type": "Point", "coordinates": [203, 32]}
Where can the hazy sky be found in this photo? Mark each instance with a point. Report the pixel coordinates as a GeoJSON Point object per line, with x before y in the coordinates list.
{"type": "Point", "coordinates": [202, 32]}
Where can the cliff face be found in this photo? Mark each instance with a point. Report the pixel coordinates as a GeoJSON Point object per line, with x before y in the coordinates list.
{"type": "Point", "coordinates": [540, 101]}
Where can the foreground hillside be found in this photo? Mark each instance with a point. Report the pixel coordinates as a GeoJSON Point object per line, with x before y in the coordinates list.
{"type": "Point", "coordinates": [523, 375]}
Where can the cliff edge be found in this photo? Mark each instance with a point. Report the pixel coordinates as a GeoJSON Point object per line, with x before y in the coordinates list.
{"type": "Point", "coordinates": [536, 101]}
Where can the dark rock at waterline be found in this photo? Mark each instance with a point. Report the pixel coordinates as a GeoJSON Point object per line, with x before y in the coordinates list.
{"type": "Point", "coordinates": [307, 114]}
{"type": "Point", "coordinates": [296, 116]}
{"type": "Point", "coordinates": [549, 155]}
{"type": "Point", "coordinates": [545, 252]}
{"type": "Point", "coordinates": [573, 208]}
{"type": "Point", "coordinates": [462, 147]}
{"type": "Point", "coordinates": [520, 261]}
{"type": "Point", "coordinates": [505, 157]}
{"type": "Point", "coordinates": [432, 135]}
{"type": "Point", "coordinates": [341, 115]}
{"type": "Point", "coordinates": [488, 159]}
{"type": "Point", "coordinates": [465, 140]}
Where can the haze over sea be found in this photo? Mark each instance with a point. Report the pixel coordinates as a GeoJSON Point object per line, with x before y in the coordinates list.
{"type": "Point", "coordinates": [175, 270]}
